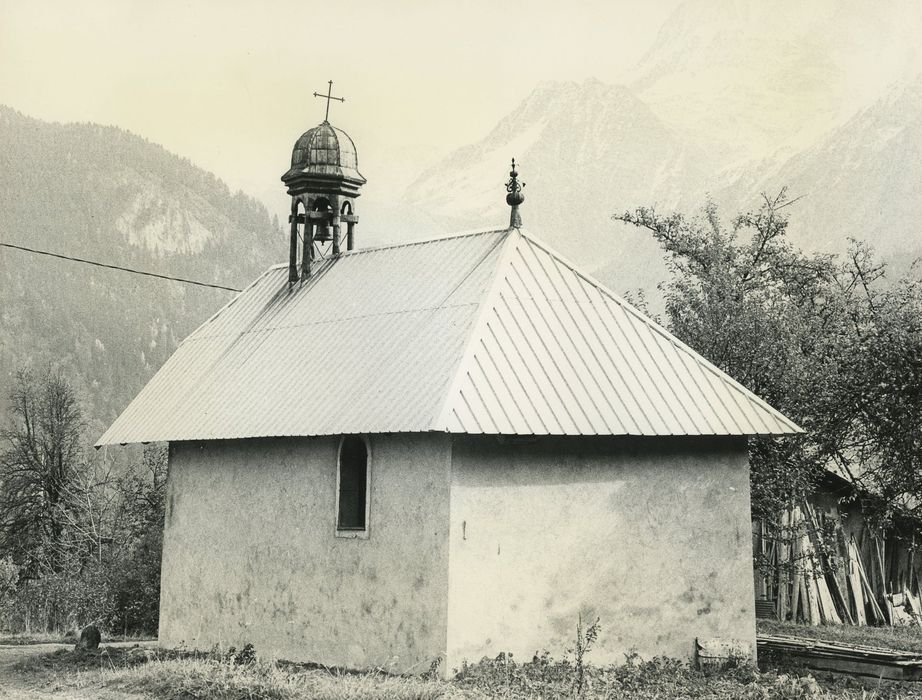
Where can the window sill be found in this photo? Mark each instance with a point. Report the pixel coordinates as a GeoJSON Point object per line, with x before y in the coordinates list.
{"type": "Point", "coordinates": [352, 534]}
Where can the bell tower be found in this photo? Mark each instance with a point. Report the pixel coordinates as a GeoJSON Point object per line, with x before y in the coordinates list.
{"type": "Point", "coordinates": [323, 183]}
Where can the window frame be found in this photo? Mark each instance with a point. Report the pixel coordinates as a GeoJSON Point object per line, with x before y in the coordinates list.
{"type": "Point", "coordinates": [350, 533]}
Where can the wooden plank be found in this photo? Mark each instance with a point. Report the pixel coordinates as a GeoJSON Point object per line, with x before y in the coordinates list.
{"type": "Point", "coordinates": [819, 645]}
{"type": "Point", "coordinates": [772, 591]}
{"type": "Point", "coordinates": [795, 598]}
{"type": "Point", "coordinates": [810, 580]}
{"type": "Point", "coordinates": [879, 551]}
{"type": "Point", "coordinates": [854, 585]}
{"type": "Point", "coordinates": [813, 603]}
{"type": "Point", "coordinates": [830, 615]}
{"type": "Point", "coordinates": [869, 591]}
{"type": "Point", "coordinates": [854, 667]}
{"type": "Point", "coordinates": [783, 566]}
{"type": "Point", "coordinates": [826, 606]}
{"type": "Point", "coordinates": [808, 596]}
{"type": "Point", "coordinates": [840, 600]}
{"type": "Point", "coordinates": [842, 658]}
{"type": "Point", "coordinates": [853, 579]}
{"type": "Point", "coordinates": [841, 572]}
{"type": "Point", "coordinates": [871, 561]}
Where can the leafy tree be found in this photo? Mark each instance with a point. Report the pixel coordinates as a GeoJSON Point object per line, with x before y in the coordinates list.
{"type": "Point", "coordinates": [878, 412]}
{"type": "Point", "coordinates": [819, 338]}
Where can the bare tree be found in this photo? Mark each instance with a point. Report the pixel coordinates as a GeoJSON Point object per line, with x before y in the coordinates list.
{"type": "Point", "coordinates": [39, 456]}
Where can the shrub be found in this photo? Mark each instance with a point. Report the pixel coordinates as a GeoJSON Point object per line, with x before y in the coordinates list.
{"type": "Point", "coordinates": [9, 580]}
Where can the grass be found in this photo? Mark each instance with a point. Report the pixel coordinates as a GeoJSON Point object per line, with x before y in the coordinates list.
{"type": "Point", "coordinates": [24, 638]}
{"type": "Point", "coordinates": [898, 638]}
{"type": "Point", "coordinates": [209, 678]}
{"type": "Point", "coordinates": [32, 638]}
{"type": "Point", "coordinates": [150, 672]}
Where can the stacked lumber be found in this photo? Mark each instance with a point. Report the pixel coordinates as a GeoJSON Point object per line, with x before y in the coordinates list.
{"type": "Point", "coordinates": [863, 595]}
{"type": "Point", "coordinates": [805, 591]}
{"type": "Point", "coordinates": [820, 574]}
{"type": "Point", "coordinates": [844, 658]}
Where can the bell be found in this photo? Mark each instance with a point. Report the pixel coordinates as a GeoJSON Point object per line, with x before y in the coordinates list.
{"type": "Point", "coordinates": [323, 234]}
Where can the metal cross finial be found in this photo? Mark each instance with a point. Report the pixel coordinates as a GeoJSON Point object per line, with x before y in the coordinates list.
{"type": "Point", "coordinates": [329, 96]}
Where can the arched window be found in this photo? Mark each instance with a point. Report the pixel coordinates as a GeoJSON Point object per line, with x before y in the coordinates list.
{"type": "Point", "coordinates": [352, 485]}
{"type": "Point", "coordinates": [321, 204]}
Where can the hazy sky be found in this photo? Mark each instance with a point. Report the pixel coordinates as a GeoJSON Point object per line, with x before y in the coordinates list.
{"type": "Point", "coordinates": [229, 84]}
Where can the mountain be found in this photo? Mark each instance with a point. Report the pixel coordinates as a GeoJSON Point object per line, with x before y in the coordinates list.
{"type": "Point", "coordinates": [703, 117]}
{"type": "Point", "coordinates": [747, 81]}
{"type": "Point", "coordinates": [862, 181]}
{"type": "Point", "coordinates": [585, 151]}
{"type": "Point", "coordinates": [104, 194]}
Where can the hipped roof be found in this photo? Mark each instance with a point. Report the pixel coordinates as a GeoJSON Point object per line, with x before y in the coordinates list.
{"type": "Point", "coordinates": [485, 333]}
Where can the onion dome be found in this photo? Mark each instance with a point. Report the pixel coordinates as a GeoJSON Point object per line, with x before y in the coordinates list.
{"type": "Point", "coordinates": [325, 152]}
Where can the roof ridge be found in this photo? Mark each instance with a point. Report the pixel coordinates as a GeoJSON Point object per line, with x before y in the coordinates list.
{"type": "Point", "coordinates": [406, 244]}
{"type": "Point", "coordinates": [439, 420]}
{"type": "Point", "coordinates": [423, 241]}
{"type": "Point", "coordinates": [657, 328]}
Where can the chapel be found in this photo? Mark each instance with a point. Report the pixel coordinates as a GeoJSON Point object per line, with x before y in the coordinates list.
{"type": "Point", "coordinates": [438, 450]}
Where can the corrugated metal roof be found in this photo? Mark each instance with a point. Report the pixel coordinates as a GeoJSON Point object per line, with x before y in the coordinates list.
{"type": "Point", "coordinates": [488, 332]}
{"type": "Point", "coordinates": [554, 352]}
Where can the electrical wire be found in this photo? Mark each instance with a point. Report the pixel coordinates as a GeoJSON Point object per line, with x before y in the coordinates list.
{"type": "Point", "coordinates": [118, 267]}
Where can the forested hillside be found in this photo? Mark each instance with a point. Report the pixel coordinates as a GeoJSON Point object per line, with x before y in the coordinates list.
{"type": "Point", "coordinates": [105, 194]}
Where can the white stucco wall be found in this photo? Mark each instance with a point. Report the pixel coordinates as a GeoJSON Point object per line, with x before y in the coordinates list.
{"type": "Point", "coordinates": [651, 535]}
{"type": "Point", "coordinates": [250, 553]}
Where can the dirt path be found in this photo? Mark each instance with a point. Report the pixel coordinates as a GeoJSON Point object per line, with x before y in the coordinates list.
{"type": "Point", "coordinates": [13, 685]}
{"type": "Point", "coordinates": [18, 686]}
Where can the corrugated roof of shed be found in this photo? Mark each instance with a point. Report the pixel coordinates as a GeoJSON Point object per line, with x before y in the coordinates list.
{"type": "Point", "coordinates": [488, 332]}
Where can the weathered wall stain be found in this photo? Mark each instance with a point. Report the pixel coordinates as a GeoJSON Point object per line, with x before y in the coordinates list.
{"type": "Point", "coordinates": [641, 532]}
{"type": "Point", "coordinates": [250, 553]}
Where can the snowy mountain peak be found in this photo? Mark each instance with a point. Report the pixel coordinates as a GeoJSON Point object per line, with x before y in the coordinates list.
{"type": "Point", "coordinates": [586, 150]}
{"type": "Point", "coordinates": [750, 80]}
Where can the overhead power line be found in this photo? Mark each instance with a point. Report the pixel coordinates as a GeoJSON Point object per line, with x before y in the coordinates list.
{"type": "Point", "coordinates": [119, 267]}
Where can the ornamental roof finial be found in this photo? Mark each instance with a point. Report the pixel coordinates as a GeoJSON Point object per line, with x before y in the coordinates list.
{"type": "Point", "coordinates": [328, 97]}
{"type": "Point", "coordinates": [515, 197]}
